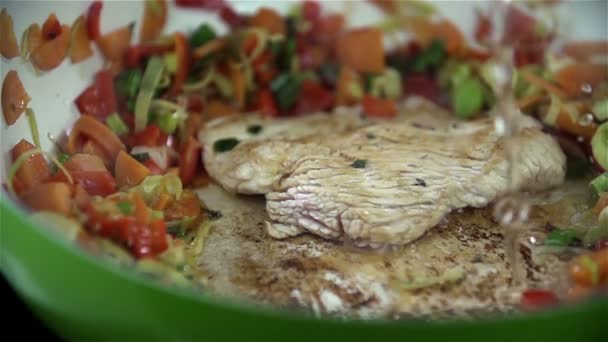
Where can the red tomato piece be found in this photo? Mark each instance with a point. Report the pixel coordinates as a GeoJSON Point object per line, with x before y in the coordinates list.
{"type": "Point", "coordinates": [189, 157]}
{"type": "Point", "coordinates": [537, 299]}
{"type": "Point", "coordinates": [373, 106]}
{"type": "Point", "coordinates": [95, 183]}
{"type": "Point", "coordinates": [267, 106]}
{"type": "Point", "coordinates": [421, 85]}
{"type": "Point", "coordinates": [51, 27]}
{"type": "Point", "coordinates": [150, 136]}
{"type": "Point", "coordinates": [135, 55]}
{"type": "Point", "coordinates": [99, 99]}
{"type": "Point", "coordinates": [313, 98]}
{"type": "Point", "coordinates": [94, 19]}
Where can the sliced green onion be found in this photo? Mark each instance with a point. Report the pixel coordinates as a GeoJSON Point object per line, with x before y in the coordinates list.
{"type": "Point", "coordinates": [600, 183]}
{"type": "Point", "coordinates": [117, 125]}
{"type": "Point", "coordinates": [127, 83]}
{"type": "Point", "coordinates": [223, 85]}
{"type": "Point", "coordinates": [149, 82]}
{"type": "Point", "coordinates": [593, 268]}
{"type": "Point", "coordinates": [166, 105]}
{"type": "Point", "coordinates": [387, 85]}
{"type": "Point", "coordinates": [31, 119]}
{"type": "Point", "coordinates": [168, 122]}
{"type": "Point", "coordinates": [170, 61]}
{"type": "Point", "coordinates": [561, 237]}
{"type": "Point", "coordinates": [225, 145]}
{"type": "Point", "coordinates": [598, 232]}
{"type": "Point", "coordinates": [126, 207]}
{"type": "Point", "coordinates": [599, 145]}
{"type": "Point", "coordinates": [23, 157]}
{"type": "Point", "coordinates": [25, 53]}
{"type": "Point", "coordinates": [203, 34]}
{"type": "Point", "coordinates": [190, 87]}
{"type": "Point", "coordinates": [600, 109]}
{"type": "Point", "coordinates": [467, 98]}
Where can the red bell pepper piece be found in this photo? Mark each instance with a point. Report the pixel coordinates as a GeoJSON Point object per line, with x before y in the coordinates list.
{"type": "Point", "coordinates": [137, 53]}
{"type": "Point", "coordinates": [189, 157]}
{"type": "Point", "coordinates": [51, 27]}
{"type": "Point", "coordinates": [373, 106]}
{"type": "Point", "coordinates": [182, 50]}
{"type": "Point", "coordinates": [267, 107]}
{"type": "Point", "coordinates": [538, 299]}
{"type": "Point", "coordinates": [99, 99]}
{"type": "Point", "coordinates": [94, 19]}
{"type": "Point", "coordinates": [313, 98]}
{"type": "Point", "coordinates": [150, 136]}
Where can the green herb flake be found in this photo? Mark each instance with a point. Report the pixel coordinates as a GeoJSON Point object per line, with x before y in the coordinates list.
{"type": "Point", "coordinates": [359, 164]}
{"type": "Point", "coordinates": [125, 207]}
{"type": "Point", "coordinates": [225, 145]}
{"type": "Point", "coordinates": [562, 238]}
{"type": "Point", "coordinates": [254, 129]}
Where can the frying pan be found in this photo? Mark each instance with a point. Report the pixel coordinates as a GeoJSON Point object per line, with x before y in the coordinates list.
{"type": "Point", "coordinates": [83, 298]}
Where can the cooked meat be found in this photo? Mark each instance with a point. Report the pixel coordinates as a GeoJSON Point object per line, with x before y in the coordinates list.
{"type": "Point", "coordinates": [376, 182]}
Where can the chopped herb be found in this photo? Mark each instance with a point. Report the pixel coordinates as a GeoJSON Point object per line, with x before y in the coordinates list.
{"type": "Point", "coordinates": [254, 129]}
{"type": "Point", "coordinates": [213, 214]}
{"type": "Point", "coordinates": [203, 34]}
{"type": "Point", "coordinates": [63, 157]}
{"type": "Point", "coordinates": [286, 89]}
{"type": "Point", "coordinates": [125, 207]}
{"type": "Point", "coordinates": [225, 145]}
{"type": "Point", "coordinates": [359, 164]}
{"type": "Point", "coordinates": [431, 57]}
{"type": "Point", "coordinates": [141, 157]}
{"type": "Point", "coordinates": [420, 182]}
{"type": "Point", "coordinates": [562, 237]}
{"type": "Point", "coordinates": [284, 53]}
{"type": "Point", "coordinates": [127, 83]}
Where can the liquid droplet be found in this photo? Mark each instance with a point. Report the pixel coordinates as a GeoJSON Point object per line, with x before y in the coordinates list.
{"type": "Point", "coordinates": [585, 120]}
{"type": "Point", "coordinates": [586, 88]}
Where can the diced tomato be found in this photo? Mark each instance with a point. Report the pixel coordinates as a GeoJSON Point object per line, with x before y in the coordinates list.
{"type": "Point", "coordinates": [267, 107]}
{"type": "Point", "coordinates": [194, 103]}
{"type": "Point", "coordinates": [374, 106]}
{"type": "Point", "coordinates": [51, 27]}
{"type": "Point", "coordinates": [313, 98]}
{"type": "Point", "coordinates": [149, 240]}
{"type": "Point", "coordinates": [99, 99]}
{"type": "Point", "coordinates": [311, 11]}
{"type": "Point", "coordinates": [94, 19]}
{"type": "Point", "coordinates": [150, 136]}
{"type": "Point", "coordinates": [136, 54]}
{"type": "Point", "coordinates": [95, 183]}
{"type": "Point", "coordinates": [518, 25]}
{"type": "Point", "coordinates": [538, 299]}
{"type": "Point", "coordinates": [189, 157]}
{"type": "Point", "coordinates": [520, 31]}
{"type": "Point", "coordinates": [182, 51]}
{"type": "Point", "coordinates": [422, 85]}
{"type": "Point", "coordinates": [187, 206]}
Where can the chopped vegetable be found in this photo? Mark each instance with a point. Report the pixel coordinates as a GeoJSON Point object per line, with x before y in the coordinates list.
{"type": "Point", "coordinates": [31, 119]}
{"type": "Point", "coordinates": [51, 196]}
{"type": "Point", "coordinates": [202, 35]}
{"type": "Point", "coordinates": [29, 168]}
{"type": "Point", "coordinates": [154, 19]}
{"type": "Point", "coordinates": [129, 172]}
{"type": "Point", "coordinates": [562, 237]}
{"type": "Point", "coordinates": [349, 89]}
{"type": "Point", "coordinates": [93, 19]}
{"type": "Point", "coordinates": [599, 232]}
{"type": "Point", "coordinates": [114, 45]}
{"type": "Point", "coordinates": [600, 184]}
{"type": "Point", "coordinates": [599, 145]}
{"type": "Point", "coordinates": [149, 82]}
{"type": "Point", "coordinates": [86, 127]}
{"type": "Point", "coordinates": [225, 145]}
{"type": "Point", "coordinates": [51, 53]}
{"type": "Point", "coordinates": [8, 44]}
{"type": "Point", "coordinates": [427, 30]}
{"type": "Point", "coordinates": [30, 40]}
{"type": "Point", "coordinates": [362, 50]}
{"type": "Point", "coordinates": [467, 98]}
{"type": "Point", "coordinates": [117, 125]}
{"type": "Point", "coordinates": [267, 106]}
{"type": "Point", "coordinates": [84, 162]}
{"type": "Point", "coordinates": [387, 85]}
{"type": "Point", "coordinates": [182, 51]}
{"type": "Point", "coordinates": [374, 106]}
{"type": "Point", "coordinates": [359, 164]}
{"type": "Point", "coordinates": [584, 51]}
{"type": "Point", "coordinates": [80, 43]}
{"type": "Point", "coordinates": [431, 57]}
{"type": "Point", "coordinates": [580, 79]}
{"type": "Point", "coordinates": [538, 299]}
{"type": "Point", "coordinates": [268, 19]}
{"type": "Point", "coordinates": [286, 89]}
{"type": "Point", "coordinates": [14, 97]}
{"type": "Point", "coordinates": [600, 109]}
{"type": "Point", "coordinates": [99, 99]}
{"type": "Point", "coordinates": [125, 207]}
{"type": "Point", "coordinates": [127, 83]}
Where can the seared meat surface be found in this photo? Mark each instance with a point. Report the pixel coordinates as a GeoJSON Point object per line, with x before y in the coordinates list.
{"type": "Point", "coordinates": [375, 183]}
